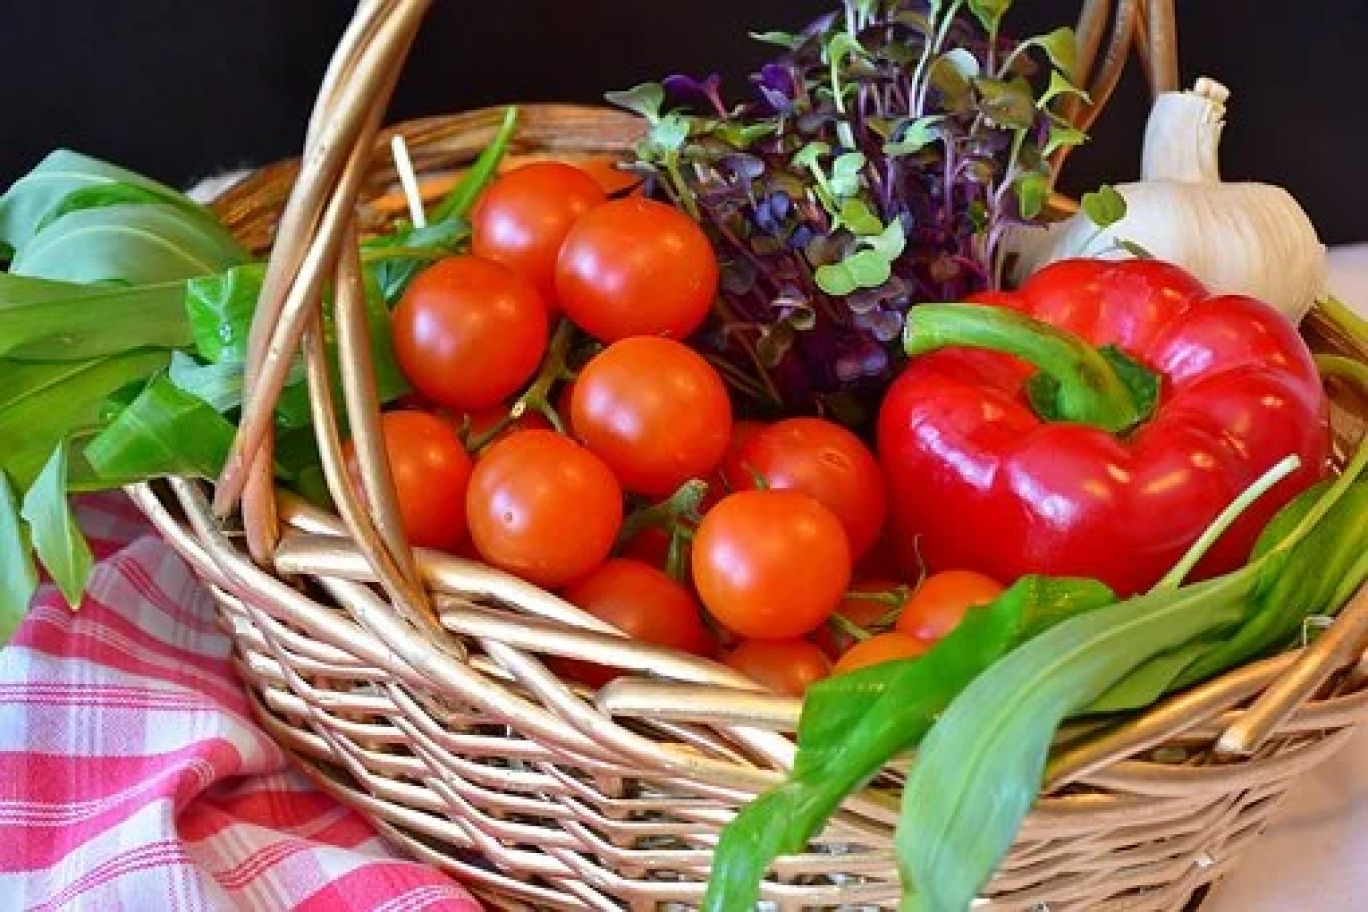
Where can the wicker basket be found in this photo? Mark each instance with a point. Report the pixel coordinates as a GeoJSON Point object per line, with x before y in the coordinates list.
{"type": "Point", "coordinates": [411, 684]}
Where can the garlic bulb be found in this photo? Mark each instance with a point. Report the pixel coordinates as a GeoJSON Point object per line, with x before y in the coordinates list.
{"type": "Point", "coordinates": [1244, 238]}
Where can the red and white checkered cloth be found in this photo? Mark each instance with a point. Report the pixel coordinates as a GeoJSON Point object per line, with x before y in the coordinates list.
{"type": "Point", "coordinates": [132, 775]}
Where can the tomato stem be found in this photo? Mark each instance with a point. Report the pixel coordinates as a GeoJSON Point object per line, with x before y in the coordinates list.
{"type": "Point", "coordinates": [842, 624]}
{"type": "Point", "coordinates": [1082, 385]}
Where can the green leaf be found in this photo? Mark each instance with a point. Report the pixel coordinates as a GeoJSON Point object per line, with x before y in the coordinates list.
{"type": "Point", "coordinates": [1063, 135]}
{"type": "Point", "coordinates": [1134, 249]}
{"type": "Point", "coordinates": [462, 197]}
{"type": "Point", "coordinates": [845, 173]}
{"type": "Point", "coordinates": [889, 243]}
{"type": "Point", "coordinates": [1059, 85]}
{"type": "Point", "coordinates": [1062, 49]}
{"type": "Point", "coordinates": [394, 268]}
{"type": "Point", "coordinates": [219, 385]}
{"type": "Point", "coordinates": [916, 136]}
{"type": "Point", "coordinates": [869, 268]}
{"type": "Point", "coordinates": [165, 431]}
{"type": "Point", "coordinates": [220, 309]}
{"type": "Point", "coordinates": [979, 770]}
{"type": "Point", "coordinates": [836, 279]}
{"type": "Point", "coordinates": [1032, 190]}
{"type": "Point", "coordinates": [57, 540]}
{"type": "Point", "coordinates": [18, 576]}
{"type": "Point", "coordinates": [854, 724]}
{"type": "Point", "coordinates": [128, 243]}
{"type": "Point", "coordinates": [42, 320]}
{"type": "Point", "coordinates": [57, 181]}
{"type": "Point", "coordinates": [1008, 104]}
{"type": "Point", "coordinates": [961, 61]}
{"type": "Point", "coordinates": [787, 40]}
{"type": "Point", "coordinates": [843, 45]}
{"type": "Point", "coordinates": [856, 216]}
{"type": "Point", "coordinates": [1104, 206]}
{"type": "Point", "coordinates": [810, 156]}
{"type": "Point", "coordinates": [42, 403]}
{"type": "Point", "coordinates": [645, 99]}
{"type": "Point", "coordinates": [97, 195]}
{"type": "Point", "coordinates": [989, 13]}
{"type": "Point", "coordinates": [668, 134]}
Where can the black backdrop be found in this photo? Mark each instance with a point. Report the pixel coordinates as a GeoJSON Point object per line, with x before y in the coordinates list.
{"type": "Point", "coordinates": [178, 89]}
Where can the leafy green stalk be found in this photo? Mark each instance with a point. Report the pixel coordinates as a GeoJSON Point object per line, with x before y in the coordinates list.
{"type": "Point", "coordinates": [458, 202]}
{"type": "Point", "coordinates": [42, 320]}
{"type": "Point", "coordinates": [57, 540]}
{"type": "Point", "coordinates": [18, 577]}
{"type": "Point", "coordinates": [852, 724]}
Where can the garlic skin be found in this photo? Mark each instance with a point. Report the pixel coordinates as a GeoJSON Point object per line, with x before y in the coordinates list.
{"type": "Point", "coordinates": [1237, 238]}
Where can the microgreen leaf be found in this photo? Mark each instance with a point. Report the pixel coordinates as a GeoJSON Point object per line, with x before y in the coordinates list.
{"type": "Point", "coordinates": [845, 173]}
{"type": "Point", "coordinates": [1062, 49]}
{"type": "Point", "coordinates": [57, 540]}
{"type": "Point", "coordinates": [889, 243]}
{"type": "Point", "coordinates": [856, 215]}
{"type": "Point", "coordinates": [841, 46]}
{"type": "Point", "coordinates": [1032, 190]}
{"type": "Point", "coordinates": [786, 40]}
{"type": "Point", "coordinates": [836, 279]}
{"type": "Point", "coordinates": [917, 135]}
{"type": "Point", "coordinates": [1059, 86]}
{"type": "Point", "coordinates": [1134, 249]}
{"type": "Point", "coordinates": [18, 576]}
{"type": "Point", "coordinates": [1063, 135]}
{"type": "Point", "coordinates": [868, 268]}
{"type": "Point", "coordinates": [989, 13]}
{"type": "Point", "coordinates": [961, 61]}
{"type": "Point", "coordinates": [1008, 104]}
{"type": "Point", "coordinates": [1104, 206]}
{"type": "Point", "coordinates": [668, 134]}
{"type": "Point", "coordinates": [645, 99]}
{"type": "Point", "coordinates": [810, 156]}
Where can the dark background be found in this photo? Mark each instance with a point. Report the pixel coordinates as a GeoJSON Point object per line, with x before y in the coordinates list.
{"type": "Point", "coordinates": [178, 89]}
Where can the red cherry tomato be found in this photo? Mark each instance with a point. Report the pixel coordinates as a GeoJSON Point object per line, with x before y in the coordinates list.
{"type": "Point", "coordinates": [650, 546]}
{"type": "Point", "coordinates": [653, 409]}
{"type": "Point", "coordinates": [886, 647]}
{"type": "Point", "coordinates": [865, 613]}
{"type": "Point", "coordinates": [824, 460]}
{"type": "Point", "coordinates": [522, 218]}
{"type": "Point", "coordinates": [469, 332]}
{"type": "Point", "coordinates": [770, 565]}
{"type": "Point", "coordinates": [543, 507]}
{"type": "Point", "coordinates": [941, 601]}
{"type": "Point", "coordinates": [784, 666]}
{"type": "Point", "coordinates": [718, 486]}
{"type": "Point", "coordinates": [431, 471]}
{"type": "Point", "coordinates": [643, 603]}
{"type": "Point", "coordinates": [636, 267]}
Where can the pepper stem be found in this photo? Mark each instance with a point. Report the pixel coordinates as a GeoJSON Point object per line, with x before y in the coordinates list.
{"type": "Point", "coordinates": [1077, 383]}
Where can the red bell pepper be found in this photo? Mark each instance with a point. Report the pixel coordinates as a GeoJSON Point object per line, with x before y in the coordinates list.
{"type": "Point", "coordinates": [1095, 423]}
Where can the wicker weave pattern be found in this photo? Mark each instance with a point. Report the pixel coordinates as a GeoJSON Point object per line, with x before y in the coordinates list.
{"type": "Point", "coordinates": [414, 686]}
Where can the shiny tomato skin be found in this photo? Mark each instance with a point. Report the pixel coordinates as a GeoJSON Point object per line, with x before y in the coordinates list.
{"type": "Point", "coordinates": [522, 218]}
{"type": "Point", "coordinates": [643, 603]}
{"type": "Point", "coordinates": [885, 647]}
{"type": "Point", "coordinates": [431, 473]}
{"type": "Point", "coordinates": [469, 332]}
{"type": "Point", "coordinates": [938, 605]}
{"type": "Point", "coordinates": [770, 565]}
{"type": "Point", "coordinates": [784, 666]}
{"type": "Point", "coordinates": [824, 460]}
{"type": "Point", "coordinates": [636, 267]}
{"type": "Point", "coordinates": [543, 507]}
{"type": "Point", "coordinates": [655, 411]}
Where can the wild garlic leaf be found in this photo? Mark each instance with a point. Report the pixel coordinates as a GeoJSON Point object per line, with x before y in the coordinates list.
{"type": "Point", "coordinates": [979, 769]}
{"type": "Point", "coordinates": [57, 539]}
{"type": "Point", "coordinates": [98, 195]}
{"type": "Point", "coordinates": [164, 431]}
{"type": "Point", "coordinates": [127, 243]}
{"type": "Point", "coordinates": [18, 576]}
{"type": "Point", "coordinates": [28, 204]}
{"type": "Point", "coordinates": [43, 320]}
{"type": "Point", "coordinates": [457, 204]}
{"type": "Point", "coordinates": [220, 308]}
{"type": "Point", "coordinates": [1104, 206]}
{"type": "Point", "coordinates": [645, 99]}
{"type": "Point", "coordinates": [41, 403]}
{"type": "Point", "coordinates": [394, 268]}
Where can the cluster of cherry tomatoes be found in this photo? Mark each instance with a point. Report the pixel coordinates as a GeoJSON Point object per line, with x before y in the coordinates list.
{"type": "Point", "coordinates": [566, 433]}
